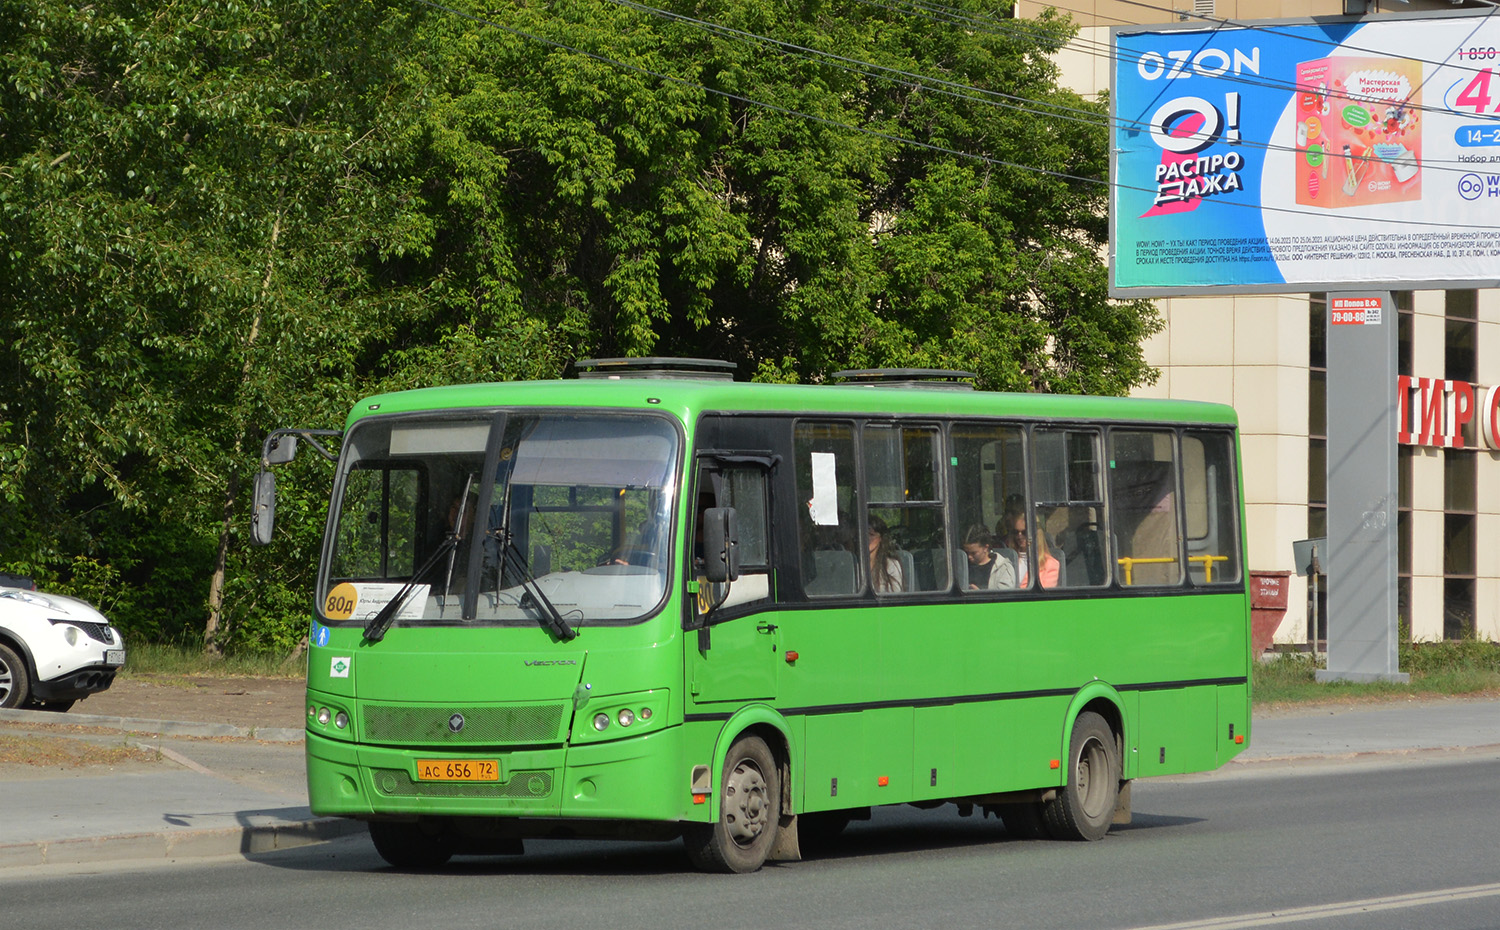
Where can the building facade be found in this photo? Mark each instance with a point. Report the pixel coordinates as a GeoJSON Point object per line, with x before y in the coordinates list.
{"type": "Point", "coordinates": [1265, 355]}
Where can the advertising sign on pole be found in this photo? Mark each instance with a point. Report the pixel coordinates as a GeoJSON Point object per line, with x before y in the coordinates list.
{"type": "Point", "coordinates": [1289, 156]}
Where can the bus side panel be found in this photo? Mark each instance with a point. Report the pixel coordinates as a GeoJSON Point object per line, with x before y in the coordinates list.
{"type": "Point", "coordinates": [1177, 730]}
{"type": "Point", "coordinates": [935, 769]}
{"type": "Point", "coordinates": [981, 737]}
{"type": "Point", "coordinates": [1038, 725]}
{"type": "Point", "coordinates": [1234, 721]}
{"type": "Point", "coordinates": [1130, 706]}
{"type": "Point", "coordinates": [848, 755]}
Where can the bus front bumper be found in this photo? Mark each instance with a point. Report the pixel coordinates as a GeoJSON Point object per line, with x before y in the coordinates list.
{"type": "Point", "coordinates": [635, 779]}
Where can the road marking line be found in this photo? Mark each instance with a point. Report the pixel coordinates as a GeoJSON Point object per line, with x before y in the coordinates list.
{"type": "Point", "coordinates": [1328, 911]}
{"type": "Point", "coordinates": [179, 758]}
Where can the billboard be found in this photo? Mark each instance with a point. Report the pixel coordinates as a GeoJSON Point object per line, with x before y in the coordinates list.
{"type": "Point", "coordinates": [1289, 156]}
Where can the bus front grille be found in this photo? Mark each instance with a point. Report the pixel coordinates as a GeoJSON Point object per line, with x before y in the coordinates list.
{"type": "Point", "coordinates": [434, 726]}
{"type": "Point", "coordinates": [396, 783]}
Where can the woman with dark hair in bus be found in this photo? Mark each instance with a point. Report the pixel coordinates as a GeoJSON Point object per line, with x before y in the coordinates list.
{"type": "Point", "coordinates": [988, 569]}
{"type": "Point", "coordinates": [886, 576]}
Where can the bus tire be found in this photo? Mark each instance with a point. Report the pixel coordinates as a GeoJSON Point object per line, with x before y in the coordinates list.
{"type": "Point", "coordinates": [1084, 808]}
{"type": "Point", "coordinates": [749, 812]}
{"type": "Point", "coordinates": [410, 845]}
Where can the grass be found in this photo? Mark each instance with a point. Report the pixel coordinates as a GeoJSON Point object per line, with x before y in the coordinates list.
{"type": "Point", "coordinates": [159, 660]}
{"type": "Point", "coordinates": [1445, 669]}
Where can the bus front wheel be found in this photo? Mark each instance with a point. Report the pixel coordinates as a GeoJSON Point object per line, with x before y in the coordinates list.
{"type": "Point", "coordinates": [740, 839]}
{"type": "Point", "coordinates": [1085, 807]}
{"type": "Point", "coordinates": [411, 845]}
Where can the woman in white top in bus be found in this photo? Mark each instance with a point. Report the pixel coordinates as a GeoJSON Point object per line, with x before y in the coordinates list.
{"type": "Point", "coordinates": [886, 576]}
{"type": "Point", "coordinates": [988, 570]}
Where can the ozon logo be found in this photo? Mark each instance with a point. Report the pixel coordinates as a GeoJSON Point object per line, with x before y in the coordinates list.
{"type": "Point", "coordinates": [1208, 62]}
{"type": "Point", "coordinates": [1170, 119]}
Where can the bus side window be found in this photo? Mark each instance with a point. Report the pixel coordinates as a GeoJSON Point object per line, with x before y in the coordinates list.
{"type": "Point", "coordinates": [1068, 500]}
{"type": "Point", "coordinates": [745, 489]}
{"type": "Point", "coordinates": [828, 547]}
{"type": "Point", "coordinates": [1208, 491]}
{"type": "Point", "coordinates": [1143, 499]}
{"type": "Point", "coordinates": [989, 482]}
{"type": "Point", "coordinates": [907, 536]}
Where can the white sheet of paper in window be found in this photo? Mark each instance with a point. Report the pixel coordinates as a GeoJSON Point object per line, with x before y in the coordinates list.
{"type": "Point", "coordinates": [824, 506]}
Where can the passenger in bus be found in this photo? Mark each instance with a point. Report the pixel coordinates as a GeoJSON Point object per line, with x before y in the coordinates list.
{"type": "Point", "coordinates": [988, 569]}
{"type": "Point", "coordinates": [461, 515]}
{"type": "Point", "coordinates": [886, 576]}
{"type": "Point", "coordinates": [1013, 528]}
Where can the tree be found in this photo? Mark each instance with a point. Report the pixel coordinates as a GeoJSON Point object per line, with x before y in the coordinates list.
{"type": "Point", "coordinates": [222, 217]}
{"type": "Point", "coordinates": [197, 200]}
{"type": "Point", "coordinates": [728, 179]}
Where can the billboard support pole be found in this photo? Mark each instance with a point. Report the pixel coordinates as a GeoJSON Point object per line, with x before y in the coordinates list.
{"type": "Point", "coordinates": [1362, 488]}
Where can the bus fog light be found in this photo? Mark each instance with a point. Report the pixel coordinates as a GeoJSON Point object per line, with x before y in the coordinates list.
{"type": "Point", "coordinates": [645, 713]}
{"type": "Point", "coordinates": [323, 716]}
{"type": "Point", "coordinates": [601, 721]}
{"type": "Point", "coordinates": [626, 717]}
{"type": "Point", "coordinates": [341, 720]}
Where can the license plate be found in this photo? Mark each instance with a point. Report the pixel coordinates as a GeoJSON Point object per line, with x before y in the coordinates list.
{"type": "Point", "coordinates": [114, 657]}
{"type": "Point", "coordinates": [458, 770]}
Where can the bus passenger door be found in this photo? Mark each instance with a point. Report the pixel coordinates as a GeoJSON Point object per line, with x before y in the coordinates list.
{"type": "Point", "coordinates": [733, 638]}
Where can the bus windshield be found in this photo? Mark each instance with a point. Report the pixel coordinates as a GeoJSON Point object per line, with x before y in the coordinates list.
{"type": "Point", "coordinates": [504, 517]}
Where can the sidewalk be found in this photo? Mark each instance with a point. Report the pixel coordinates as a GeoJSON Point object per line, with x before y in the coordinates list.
{"type": "Point", "coordinates": [1328, 732]}
{"type": "Point", "coordinates": [198, 789]}
{"type": "Point", "coordinates": [215, 789]}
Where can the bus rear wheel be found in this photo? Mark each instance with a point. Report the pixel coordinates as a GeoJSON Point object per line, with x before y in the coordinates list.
{"type": "Point", "coordinates": [411, 845]}
{"type": "Point", "coordinates": [1084, 808]}
{"type": "Point", "coordinates": [740, 839]}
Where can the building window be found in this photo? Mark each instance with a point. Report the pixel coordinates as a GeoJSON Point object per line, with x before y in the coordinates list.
{"type": "Point", "coordinates": [1317, 416]}
{"type": "Point", "coordinates": [1404, 317]}
{"type": "Point", "coordinates": [1461, 335]}
{"type": "Point", "coordinates": [1459, 519]}
{"type": "Point", "coordinates": [1460, 491]}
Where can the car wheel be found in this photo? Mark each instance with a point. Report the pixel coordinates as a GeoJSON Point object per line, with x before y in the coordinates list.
{"type": "Point", "coordinates": [14, 686]}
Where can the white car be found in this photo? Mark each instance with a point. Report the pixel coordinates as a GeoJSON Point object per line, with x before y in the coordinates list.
{"type": "Point", "coordinates": [54, 650]}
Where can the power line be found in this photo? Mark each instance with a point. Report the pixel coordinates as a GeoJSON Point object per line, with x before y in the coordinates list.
{"type": "Point", "coordinates": [900, 140]}
{"type": "Point", "coordinates": [968, 92]}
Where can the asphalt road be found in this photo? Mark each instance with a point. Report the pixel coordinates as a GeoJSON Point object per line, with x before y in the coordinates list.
{"type": "Point", "coordinates": [1389, 843]}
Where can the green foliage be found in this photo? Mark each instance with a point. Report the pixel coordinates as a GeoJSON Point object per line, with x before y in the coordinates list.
{"type": "Point", "coordinates": [220, 218]}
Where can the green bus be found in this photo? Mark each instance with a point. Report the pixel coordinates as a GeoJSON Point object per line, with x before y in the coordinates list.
{"type": "Point", "coordinates": [652, 602]}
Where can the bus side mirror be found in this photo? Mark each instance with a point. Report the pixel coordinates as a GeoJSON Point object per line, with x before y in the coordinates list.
{"type": "Point", "coordinates": [280, 449]}
{"type": "Point", "coordinates": [263, 508]}
{"type": "Point", "coordinates": [721, 544]}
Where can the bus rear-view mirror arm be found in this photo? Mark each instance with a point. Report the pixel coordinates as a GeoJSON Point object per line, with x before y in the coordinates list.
{"type": "Point", "coordinates": [279, 448]}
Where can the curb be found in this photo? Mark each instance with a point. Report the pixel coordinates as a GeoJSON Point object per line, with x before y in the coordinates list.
{"type": "Point", "coordinates": [1360, 755]}
{"type": "Point", "coordinates": [224, 841]}
{"type": "Point", "coordinates": [161, 727]}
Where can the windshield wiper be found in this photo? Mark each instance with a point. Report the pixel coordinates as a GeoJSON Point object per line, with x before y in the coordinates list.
{"type": "Point", "coordinates": [375, 629]}
{"type": "Point", "coordinates": [551, 617]}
